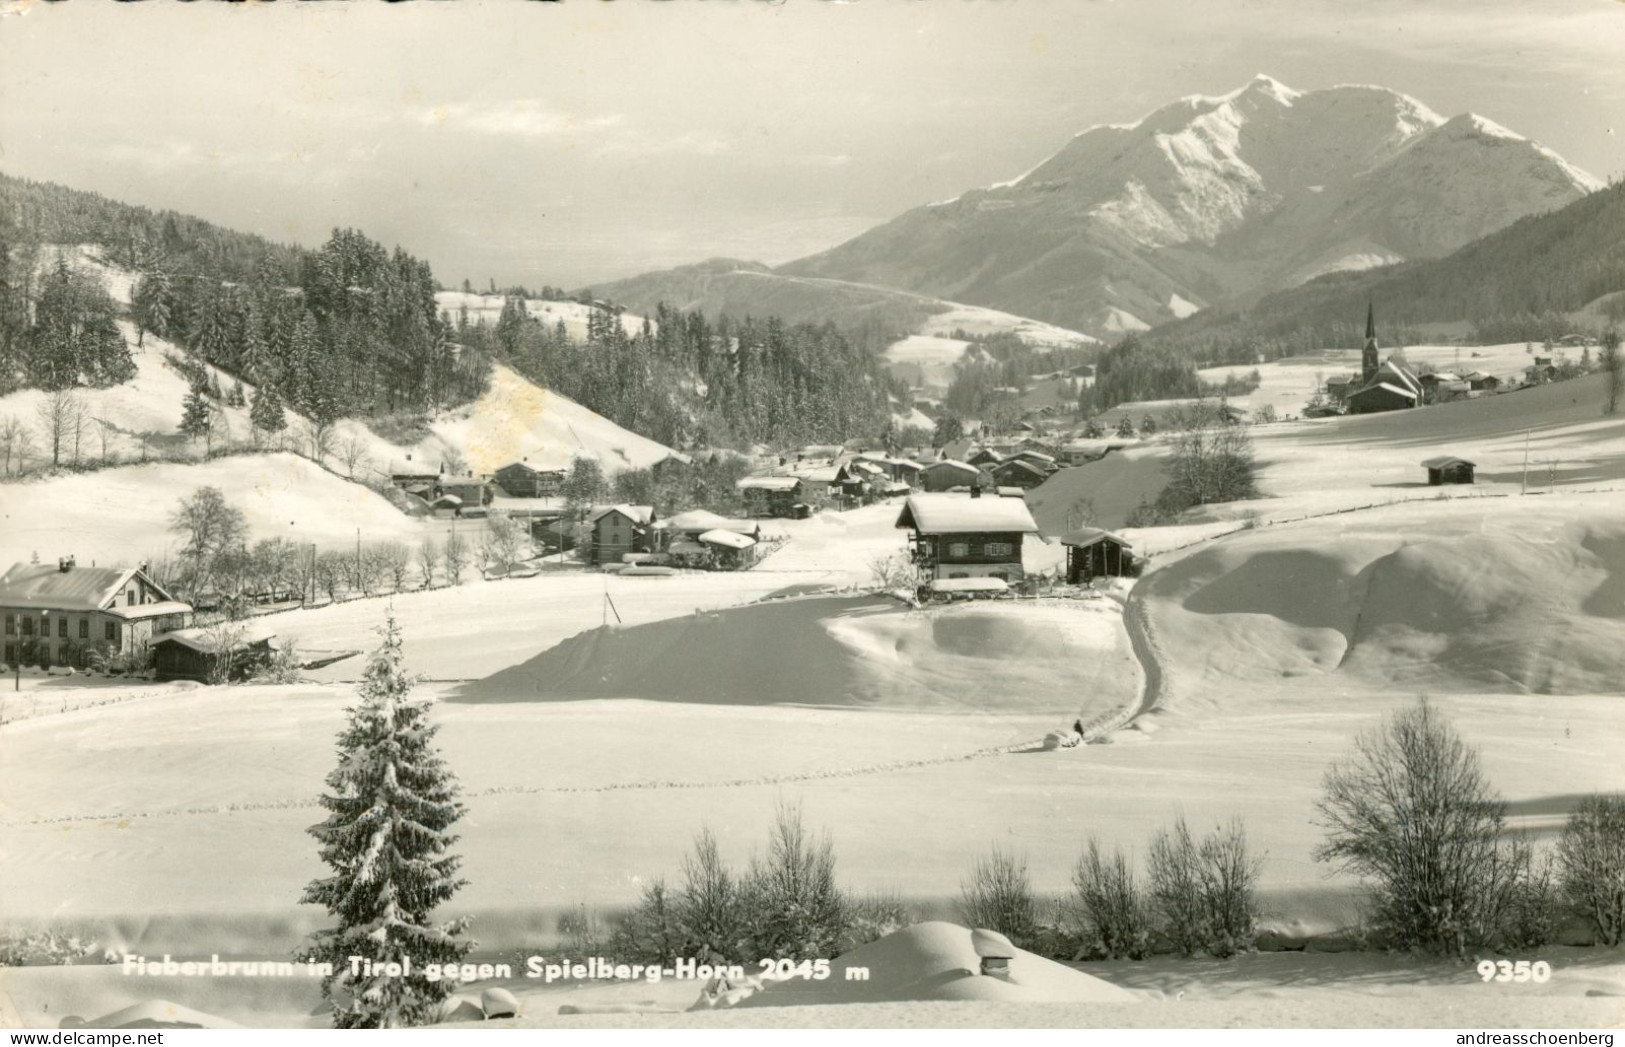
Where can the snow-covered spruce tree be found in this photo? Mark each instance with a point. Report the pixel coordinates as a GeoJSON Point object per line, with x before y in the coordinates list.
{"type": "Point", "coordinates": [393, 800]}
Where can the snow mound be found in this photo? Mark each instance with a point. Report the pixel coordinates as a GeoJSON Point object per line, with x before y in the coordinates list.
{"type": "Point", "coordinates": [844, 651]}
{"type": "Point", "coordinates": [936, 961]}
{"type": "Point", "coordinates": [159, 1014]}
{"type": "Point", "coordinates": [1503, 600]}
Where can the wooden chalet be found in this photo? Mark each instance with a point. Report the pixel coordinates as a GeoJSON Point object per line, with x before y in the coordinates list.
{"type": "Point", "coordinates": [966, 536]}
{"type": "Point", "coordinates": [407, 473]}
{"type": "Point", "coordinates": [618, 530]}
{"type": "Point", "coordinates": [1093, 553]}
{"type": "Point", "coordinates": [1019, 472]}
{"type": "Point", "coordinates": [64, 614]}
{"type": "Point", "coordinates": [947, 474]}
{"type": "Point", "coordinates": [527, 479]}
{"type": "Point", "coordinates": [675, 463]}
{"type": "Point", "coordinates": [1479, 381]}
{"type": "Point", "coordinates": [817, 483]}
{"type": "Point", "coordinates": [701, 539]}
{"type": "Point", "coordinates": [774, 496]}
{"type": "Point", "coordinates": [983, 456]}
{"type": "Point", "coordinates": [1449, 469]}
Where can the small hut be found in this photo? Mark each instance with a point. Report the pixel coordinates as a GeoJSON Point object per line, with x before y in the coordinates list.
{"type": "Point", "coordinates": [1449, 469]}
{"type": "Point", "coordinates": [1092, 553]}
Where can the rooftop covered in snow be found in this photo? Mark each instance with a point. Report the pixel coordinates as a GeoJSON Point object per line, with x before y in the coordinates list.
{"type": "Point", "coordinates": [962, 514]}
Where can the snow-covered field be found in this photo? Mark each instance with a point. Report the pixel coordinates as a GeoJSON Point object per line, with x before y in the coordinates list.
{"type": "Point", "coordinates": [176, 821]}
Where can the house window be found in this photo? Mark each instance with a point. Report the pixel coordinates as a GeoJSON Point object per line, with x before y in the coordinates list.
{"type": "Point", "coordinates": [62, 628]}
{"type": "Point", "coordinates": [112, 631]}
{"type": "Point", "coordinates": [959, 550]}
{"type": "Point", "coordinates": [28, 626]}
{"type": "Point", "coordinates": [11, 625]}
{"type": "Point", "coordinates": [84, 628]}
{"type": "Point", "coordinates": [129, 597]}
{"type": "Point", "coordinates": [998, 548]}
{"type": "Point", "coordinates": [11, 654]}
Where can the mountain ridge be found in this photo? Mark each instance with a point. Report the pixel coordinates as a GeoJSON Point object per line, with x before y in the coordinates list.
{"type": "Point", "coordinates": [1213, 198]}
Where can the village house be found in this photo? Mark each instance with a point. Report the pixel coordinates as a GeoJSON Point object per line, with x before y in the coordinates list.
{"type": "Point", "coordinates": [527, 479]}
{"type": "Point", "coordinates": [966, 536]}
{"type": "Point", "coordinates": [64, 614]}
{"type": "Point", "coordinates": [947, 474]}
{"type": "Point", "coordinates": [1478, 381]}
{"type": "Point", "coordinates": [983, 456]}
{"type": "Point", "coordinates": [1093, 553]}
{"type": "Point", "coordinates": [618, 530]}
{"type": "Point", "coordinates": [1449, 469]}
{"type": "Point", "coordinates": [1039, 458]}
{"type": "Point", "coordinates": [779, 496]}
{"type": "Point", "coordinates": [675, 463]}
{"type": "Point", "coordinates": [702, 539]}
{"type": "Point", "coordinates": [1019, 472]}
{"type": "Point", "coordinates": [817, 483]}
{"type": "Point", "coordinates": [461, 496]}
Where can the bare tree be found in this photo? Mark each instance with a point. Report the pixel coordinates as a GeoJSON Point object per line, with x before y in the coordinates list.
{"type": "Point", "coordinates": [353, 453]}
{"type": "Point", "coordinates": [224, 639]}
{"type": "Point", "coordinates": [397, 562]}
{"type": "Point", "coordinates": [319, 438]}
{"type": "Point", "coordinates": [16, 444]}
{"type": "Point", "coordinates": [503, 541]}
{"type": "Point", "coordinates": [456, 556]}
{"type": "Point", "coordinates": [107, 431]}
{"type": "Point", "coordinates": [207, 525]}
{"type": "Point", "coordinates": [428, 560]}
{"type": "Point", "coordinates": [62, 420]}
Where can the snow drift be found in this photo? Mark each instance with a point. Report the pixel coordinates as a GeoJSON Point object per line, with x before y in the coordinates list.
{"type": "Point", "coordinates": [1502, 597]}
{"type": "Point", "coordinates": [845, 651]}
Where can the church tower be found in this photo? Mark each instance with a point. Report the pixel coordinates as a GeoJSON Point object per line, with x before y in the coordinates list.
{"type": "Point", "coordinates": [1368, 356]}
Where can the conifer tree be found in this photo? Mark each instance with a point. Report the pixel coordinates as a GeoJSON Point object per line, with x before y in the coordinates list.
{"type": "Point", "coordinates": [266, 414]}
{"type": "Point", "coordinates": [195, 418]}
{"type": "Point", "coordinates": [392, 801]}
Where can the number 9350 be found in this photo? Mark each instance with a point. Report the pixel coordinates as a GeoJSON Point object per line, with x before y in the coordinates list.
{"type": "Point", "coordinates": [1514, 971]}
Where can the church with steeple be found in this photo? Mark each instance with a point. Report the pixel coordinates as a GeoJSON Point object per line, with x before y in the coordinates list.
{"type": "Point", "coordinates": [1385, 385]}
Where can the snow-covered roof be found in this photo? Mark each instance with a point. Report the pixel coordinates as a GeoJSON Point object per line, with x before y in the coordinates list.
{"type": "Point", "coordinates": [955, 463]}
{"type": "Point", "coordinates": [730, 539]}
{"type": "Point", "coordinates": [696, 521]}
{"type": "Point", "coordinates": [1087, 536]}
{"type": "Point", "coordinates": [1445, 461]}
{"type": "Point", "coordinates": [399, 467]}
{"type": "Point", "coordinates": [640, 514]}
{"type": "Point", "coordinates": [149, 610]}
{"type": "Point", "coordinates": [769, 483]}
{"type": "Point", "coordinates": [211, 639]}
{"type": "Point", "coordinates": [1018, 463]}
{"type": "Point", "coordinates": [76, 589]}
{"type": "Point", "coordinates": [959, 514]}
{"type": "Point", "coordinates": [541, 463]}
{"type": "Point", "coordinates": [818, 474]}
{"type": "Point", "coordinates": [448, 499]}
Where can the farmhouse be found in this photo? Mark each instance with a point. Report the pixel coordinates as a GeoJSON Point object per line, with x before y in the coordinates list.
{"type": "Point", "coordinates": [966, 536]}
{"type": "Point", "coordinates": [773, 496]}
{"type": "Point", "coordinates": [1448, 469]}
{"type": "Point", "coordinates": [618, 530]}
{"type": "Point", "coordinates": [1093, 553]}
{"type": "Point", "coordinates": [948, 474]}
{"type": "Point", "coordinates": [64, 614]}
{"type": "Point", "coordinates": [1478, 381]}
{"type": "Point", "coordinates": [817, 483]}
{"type": "Point", "coordinates": [214, 653]}
{"type": "Point", "coordinates": [527, 479]}
{"type": "Point", "coordinates": [702, 539]}
{"type": "Point", "coordinates": [406, 473]}
{"type": "Point", "coordinates": [675, 463]}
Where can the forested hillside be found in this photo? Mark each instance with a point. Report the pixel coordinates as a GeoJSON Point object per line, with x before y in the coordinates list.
{"type": "Point", "coordinates": [685, 379]}
{"type": "Point", "coordinates": [1513, 285]}
{"type": "Point", "coordinates": [352, 329]}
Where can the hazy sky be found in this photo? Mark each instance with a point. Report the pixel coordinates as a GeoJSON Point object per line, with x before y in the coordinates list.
{"type": "Point", "coordinates": [580, 141]}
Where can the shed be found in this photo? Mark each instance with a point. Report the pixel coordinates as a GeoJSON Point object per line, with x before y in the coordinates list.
{"type": "Point", "coordinates": [198, 653]}
{"type": "Point", "coordinates": [1449, 469]}
{"type": "Point", "coordinates": [1094, 553]}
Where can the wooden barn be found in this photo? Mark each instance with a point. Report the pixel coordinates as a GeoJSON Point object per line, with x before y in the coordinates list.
{"type": "Point", "coordinates": [1449, 469]}
{"type": "Point", "coordinates": [948, 474]}
{"type": "Point", "coordinates": [200, 654]}
{"type": "Point", "coordinates": [1092, 553]}
{"type": "Point", "coordinates": [967, 536]}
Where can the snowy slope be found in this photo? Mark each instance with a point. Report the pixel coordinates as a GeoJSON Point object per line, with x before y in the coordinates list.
{"type": "Point", "coordinates": [488, 307]}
